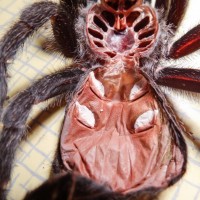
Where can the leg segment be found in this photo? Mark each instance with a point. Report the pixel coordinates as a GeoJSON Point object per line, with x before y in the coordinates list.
{"type": "Point", "coordinates": [30, 20]}
{"type": "Point", "coordinates": [187, 44]}
{"type": "Point", "coordinates": [14, 121]}
{"type": "Point", "coordinates": [64, 26]}
{"type": "Point", "coordinates": [70, 186]}
{"type": "Point", "coordinates": [185, 79]}
{"type": "Point", "coordinates": [163, 4]}
{"type": "Point", "coordinates": [176, 12]}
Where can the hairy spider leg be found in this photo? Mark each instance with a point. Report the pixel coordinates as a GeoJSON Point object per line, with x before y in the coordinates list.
{"type": "Point", "coordinates": [31, 19]}
{"type": "Point", "coordinates": [187, 44]}
{"type": "Point", "coordinates": [174, 11]}
{"type": "Point", "coordinates": [70, 186]}
{"type": "Point", "coordinates": [185, 79]}
{"type": "Point", "coordinates": [163, 4]}
{"type": "Point", "coordinates": [64, 26]}
{"type": "Point", "coordinates": [14, 120]}
{"type": "Point", "coordinates": [180, 78]}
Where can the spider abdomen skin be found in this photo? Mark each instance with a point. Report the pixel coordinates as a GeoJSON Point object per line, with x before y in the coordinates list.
{"type": "Point", "coordinates": [116, 135]}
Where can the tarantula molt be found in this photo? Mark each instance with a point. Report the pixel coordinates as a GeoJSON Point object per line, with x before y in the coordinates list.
{"type": "Point", "coordinates": [120, 139]}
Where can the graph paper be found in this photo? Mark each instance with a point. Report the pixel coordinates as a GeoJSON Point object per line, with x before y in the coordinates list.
{"type": "Point", "coordinates": [35, 154]}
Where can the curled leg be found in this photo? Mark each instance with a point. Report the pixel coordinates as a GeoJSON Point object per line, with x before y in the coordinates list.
{"type": "Point", "coordinates": [30, 20]}
{"type": "Point", "coordinates": [14, 121]}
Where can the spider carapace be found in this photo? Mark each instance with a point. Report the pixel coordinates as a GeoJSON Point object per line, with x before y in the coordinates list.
{"type": "Point", "coordinates": [115, 132]}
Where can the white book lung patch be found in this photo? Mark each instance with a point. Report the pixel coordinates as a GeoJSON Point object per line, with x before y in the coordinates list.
{"type": "Point", "coordinates": [85, 115]}
{"type": "Point", "coordinates": [97, 85]}
{"type": "Point", "coordinates": [138, 89]}
{"type": "Point", "coordinates": [145, 121]}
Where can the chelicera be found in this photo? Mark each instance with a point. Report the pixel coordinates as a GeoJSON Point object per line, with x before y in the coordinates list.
{"type": "Point", "coordinates": [121, 139]}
